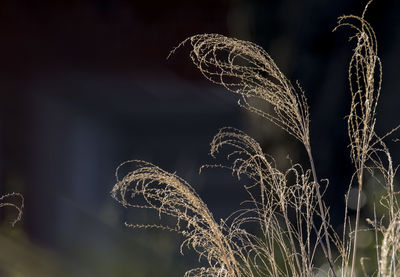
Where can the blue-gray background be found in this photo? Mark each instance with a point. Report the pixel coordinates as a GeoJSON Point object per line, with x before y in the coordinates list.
{"type": "Point", "coordinates": [85, 85]}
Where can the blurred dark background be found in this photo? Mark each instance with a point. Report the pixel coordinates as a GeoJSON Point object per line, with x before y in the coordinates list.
{"type": "Point", "coordinates": [85, 85]}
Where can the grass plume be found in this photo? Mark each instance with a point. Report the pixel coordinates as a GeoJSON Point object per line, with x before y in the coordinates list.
{"type": "Point", "coordinates": [286, 207]}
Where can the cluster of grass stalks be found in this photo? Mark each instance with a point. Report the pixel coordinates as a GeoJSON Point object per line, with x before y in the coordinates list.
{"type": "Point", "coordinates": [286, 206]}
{"type": "Point", "coordinates": [15, 201]}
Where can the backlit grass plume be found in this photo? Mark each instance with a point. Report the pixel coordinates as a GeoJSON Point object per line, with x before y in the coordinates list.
{"type": "Point", "coordinates": [148, 186]}
{"type": "Point", "coordinates": [367, 148]}
{"type": "Point", "coordinates": [246, 69]}
{"type": "Point", "coordinates": [274, 195]}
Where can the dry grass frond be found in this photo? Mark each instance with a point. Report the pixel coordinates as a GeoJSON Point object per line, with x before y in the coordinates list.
{"type": "Point", "coordinates": [14, 200]}
{"type": "Point", "coordinates": [148, 186]}
{"type": "Point", "coordinates": [368, 151]}
{"type": "Point", "coordinates": [246, 69]}
{"type": "Point", "coordinates": [364, 67]}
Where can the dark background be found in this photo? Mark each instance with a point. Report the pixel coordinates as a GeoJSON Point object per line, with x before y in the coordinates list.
{"type": "Point", "coordinates": [85, 85]}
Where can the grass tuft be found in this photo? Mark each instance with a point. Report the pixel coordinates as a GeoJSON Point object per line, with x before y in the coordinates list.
{"type": "Point", "coordinates": [286, 207]}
